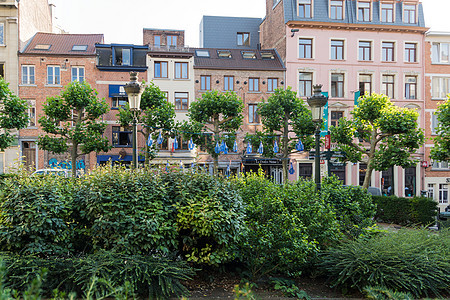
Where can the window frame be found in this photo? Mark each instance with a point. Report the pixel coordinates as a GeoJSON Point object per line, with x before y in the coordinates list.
{"type": "Point", "coordinates": [411, 52]}
{"type": "Point", "coordinates": [77, 75]}
{"type": "Point", "coordinates": [30, 79]}
{"type": "Point", "coordinates": [253, 116]}
{"type": "Point", "coordinates": [308, 49]}
{"type": "Point", "coordinates": [243, 42]}
{"type": "Point", "coordinates": [443, 193]}
{"type": "Point", "coordinates": [116, 100]}
{"type": "Point", "coordinates": [2, 34]}
{"type": "Point", "coordinates": [390, 9]}
{"type": "Point", "coordinates": [183, 105]}
{"type": "Point", "coordinates": [307, 85]}
{"type": "Point", "coordinates": [31, 110]}
{"type": "Point", "coordinates": [438, 47]}
{"type": "Point", "coordinates": [306, 7]}
{"type": "Point", "coordinates": [365, 82]}
{"type": "Point", "coordinates": [170, 39]}
{"type": "Point", "coordinates": [253, 84]}
{"type": "Point", "coordinates": [117, 138]}
{"type": "Point", "coordinates": [386, 86]}
{"type": "Point", "coordinates": [387, 51]}
{"type": "Point", "coordinates": [334, 50]}
{"type": "Point", "coordinates": [364, 10]}
{"type": "Point", "coordinates": [166, 68]}
{"type": "Point", "coordinates": [362, 55]}
{"type": "Point", "coordinates": [334, 119]}
{"type": "Point", "coordinates": [155, 38]}
{"type": "Point", "coordinates": [56, 78]}
{"type": "Point", "coordinates": [335, 92]}
{"type": "Point", "coordinates": [409, 14]}
{"type": "Point", "coordinates": [334, 9]}
{"type": "Point", "coordinates": [205, 82]}
{"type": "Point", "coordinates": [409, 85]}
{"type": "Point", "coordinates": [226, 83]}
{"type": "Point", "coordinates": [270, 84]}
{"type": "Point", "coordinates": [442, 83]}
{"type": "Point", "coordinates": [183, 68]}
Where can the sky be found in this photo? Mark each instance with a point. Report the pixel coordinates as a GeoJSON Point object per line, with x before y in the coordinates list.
{"type": "Point", "coordinates": [122, 21]}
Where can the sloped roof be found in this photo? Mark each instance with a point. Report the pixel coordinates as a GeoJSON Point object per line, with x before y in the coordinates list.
{"type": "Point", "coordinates": [237, 61]}
{"type": "Point", "coordinates": [63, 44]}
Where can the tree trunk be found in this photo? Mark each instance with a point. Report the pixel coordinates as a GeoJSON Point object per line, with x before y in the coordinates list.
{"type": "Point", "coordinates": [373, 145]}
{"type": "Point", "coordinates": [74, 155]}
{"type": "Point", "coordinates": [285, 156]}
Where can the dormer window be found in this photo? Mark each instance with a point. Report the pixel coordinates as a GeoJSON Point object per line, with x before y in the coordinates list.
{"type": "Point", "coordinates": [387, 12]}
{"type": "Point", "coordinates": [122, 56]}
{"type": "Point", "coordinates": [363, 11]}
{"type": "Point", "coordinates": [336, 10]}
{"type": "Point", "coordinates": [243, 39]}
{"type": "Point", "coordinates": [224, 53]}
{"type": "Point", "coordinates": [409, 13]}
{"type": "Point", "coordinates": [304, 8]}
{"type": "Point", "coordinates": [248, 55]}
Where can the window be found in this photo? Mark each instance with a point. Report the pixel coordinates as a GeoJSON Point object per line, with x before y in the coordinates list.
{"type": "Point", "coordinates": [272, 84]}
{"type": "Point", "coordinates": [202, 53]}
{"type": "Point", "coordinates": [78, 74]}
{"type": "Point", "coordinates": [181, 101]}
{"type": "Point", "coordinates": [228, 83]}
{"type": "Point", "coordinates": [183, 144]}
{"type": "Point", "coordinates": [387, 51]}
{"type": "Point", "coordinates": [121, 137]}
{"type": "Point", "coordinates": [172, 40]}
{"type": "Point", "coordinates": [253, 84]}
{"type": "Point", "coordinates": [337, 49]}
{"type": "Point", "coordinates": [336, 9]}
{"type": "Point", "coordinates": [27, 74]}
{"type": "Point", "coordinates": [364, 11]}
{"type": "Point", "coordinates": [253, 113]}
{"type": "Point", "coordinates": [409, 13]}
{"type": "Point", "coordinates": [243, 39]}
{"type": "Point", "coordinates": [224, 53]}
{"type": "Point", "coordinates": [160, 69]}
{"type": "Point", "coordinates": [207, 139]}
{"type": "Point", "coordinates": [267, 55]}
{"type": "Point", "coordinates": [443, 193]}
{"type": "Point", "coordinates": [410, 182]}
{"type": "Point", "coordinates": [410, 52]}
{"type": "Point", "coordinates": [387, 181]}
{"type": "Point", "coordinates": [2, 70]}
{"type": "Point", "coordinates": [441, 165]}
{"type": "Point", "coordinates": [205, 83]}
{"type": "Point", "coordinates": [335, 117]}
{"type": "Point", "coordinates": [305, 170]}
{"type": "Point", "coordinates": [2, 34]}
{"type": "Point", "coordinates": [181, 70]}
{"type": "Point", "coordinates": [165, 143]}
{"type": "Point", "coordinates": [31, 113]}
{"type": "Point", "coordinates": [431, 190]}
{"type": "Point", "coordinates": [157, 41]}
{"type": "Point", "coordinates": [365, 84]}
{"type": "Point", "coordinates": [440, 53]}
{"type": "Point", "coordinates": [305, 85]}
{"type": "Point", "coordinates": [337, 85]}
{"type": "Point", "coordinates": [122, 56]}
{"type": "Point", "coordinates": [365, 50]}
{"type": "Point", "coordinates": [362, 173]}
{"type": "Point", "coordinates": [387, 12]}
{"type": "Point", "coordinates": [387, 85]}
{"type": "Point", "coordinates": [305, 48]}
{"type": "Point", "coordinates": [248, 55]}
{"type": "Point", "coordinates": [440, 87]}
{"type": "Point", "coordinates": [79, 48]}
{"type": "Point", "coordinates": [42, 47]}
{"type": "Point", "coordinates": [434, 124]}
{"type": "Point", "coordinates": [304, 8]}
{"type": "Point", "coordinates": [119, 101]}
{"type": "Point", "coordinates": [53, 75]}
{"type": "Point", "coordinates": [410, 87]}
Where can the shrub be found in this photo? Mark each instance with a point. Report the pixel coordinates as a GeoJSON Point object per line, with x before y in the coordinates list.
{"type": "Point", "coordinates": [35, 215]}
{"type": "Point", "coordinates": [414, 261]}
{"type": "Point", "coordinates": [406, 211]}
{"type": "Point", "coordinates": [353, 206]}
{"type": "Point", "coordinates": [287, 225]}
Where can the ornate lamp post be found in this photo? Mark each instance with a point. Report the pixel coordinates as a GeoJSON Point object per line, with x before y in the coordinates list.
{"type": "Point", "coordinates": [134, 91]}
{"type": "Point", "coordinates": [317, 102]}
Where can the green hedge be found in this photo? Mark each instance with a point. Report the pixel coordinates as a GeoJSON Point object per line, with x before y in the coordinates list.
{"type": "Point", "coordinates": [406, 211]}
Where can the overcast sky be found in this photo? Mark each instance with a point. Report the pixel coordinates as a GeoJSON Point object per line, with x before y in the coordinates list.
{"type": "Point", "coordinates": [122, 21]}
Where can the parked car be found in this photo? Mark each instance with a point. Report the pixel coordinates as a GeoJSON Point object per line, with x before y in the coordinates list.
{"type": "Point", "coordinates": [374, 191]}
{"type": "Point", "coordinates": [54, 172]}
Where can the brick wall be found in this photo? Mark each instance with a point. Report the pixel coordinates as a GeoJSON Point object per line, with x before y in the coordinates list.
{"type": "Point", "coordinates": [273, 28]}
{"type": "Point", "coordinates": [149, 34]}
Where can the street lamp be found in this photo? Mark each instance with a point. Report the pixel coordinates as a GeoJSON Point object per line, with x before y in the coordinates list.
{"type": "Point", "coordinates": [317, 102]}
{"type": "Point", "coordinates": [134, 91]}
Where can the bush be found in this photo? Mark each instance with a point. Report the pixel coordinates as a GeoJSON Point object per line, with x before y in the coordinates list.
{"type": "Point", "coordinates": [35, 215]}
{"type": "Point", "coordinates": [353, 206]}
{"type": "Point", "coordinates": [414, 261]}
{"type": "Point", "coordinates": [287, 225]}
{"type": "Point", "coordinates": [406, 211]}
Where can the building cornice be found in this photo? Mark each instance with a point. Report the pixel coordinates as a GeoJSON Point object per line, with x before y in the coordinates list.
{"type": "Point", "coordinates": [356, 27]}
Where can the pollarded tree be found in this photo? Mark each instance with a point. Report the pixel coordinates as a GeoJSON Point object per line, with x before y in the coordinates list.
{"type": "Point", "coordinates": [287, 116]}
{"type": "Point", "coordinates": [156, 114]}
{"type": "Point", "coordinates": [71, 119]}
{"type": "Point", "coordinates": [380, 134]}
{"type": "Point", "coordinates": [441, 149]}
{"type": "Point", "coordinates": [13, 114]}
{"type": "Point", "coordinates": [216, 113]}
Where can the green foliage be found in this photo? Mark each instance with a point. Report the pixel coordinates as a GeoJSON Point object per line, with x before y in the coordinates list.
{"type": "Point", "coordinates": [380, 134]}
{"type": "Point", "coordinates": [244, 292]}
{"type": "Point", "coordinates": [156, 113]}
{"type": "Point", "coordinates": [13, 114]}
{"type": "Point", "coordinates": [353, 206]}
{"type": "Point", "coordinates": [381, 293]}
{"type": "Point", "coordinates": [285, 115]}
{"type": "Point", "coordinates": [219, 113]}
{"type": "Point", "coordinates": [72, 119]}
{"type": "Point", "coordinates": [289, 289]}
{"type": "Point", "coordinates": [441, 149]}
{"type": "Point", "coordinates": [287, 225]}
{"type": "Point", "coordinates": [35, 215]}
{"type": "Point", "coordinates": [414, 261]}
{"type": "Point", "coordinates": [406, 211]}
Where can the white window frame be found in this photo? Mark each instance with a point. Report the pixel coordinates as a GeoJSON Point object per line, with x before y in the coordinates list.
{"type": "Point", "coordinates": [443, 190]}
{"type": "Point", "coordinates": [436, 58]}
{"type": "Point", "coordinates": [371, 50]}
{"type": "Point", "coordinates": [343, 10]}
{"type": "Point", "coordinates": [434, 123]}
{"type": "Point", "coordinates": [54, 77]}
{"type": "Point", "coordinates": [394, 85]}
{"type": "Point", "coordinates": [298, 82]}
{"type": "Point", "coordinates": [371, 80]}
{"type": "Point", "coordinates": [343, 84]}
{"type": "Point", "coordinates": [311, 3]}
{"type": "Point", "coordinates": [370, 10]}
{"type": "Point", "coordinates": [77, 76]}
{"type": "Point", "coordinates": [31, 113]}
{"type": "Point", "coordinates": [393, 11]}
{"type": "Point", "coordinates": [28, 79]}
{"type": "Point", "coordinates": [344, 49]}
{"type": "Point", "coordinates": [417, 56]}
{"type": "Point", "coordinates": [430, 190]}
{"type": "Point", "coordinates": [2, 34]}
{"type": "Point", "coordinates": [313, 46]}
{"type": "Point", "coordinates": [404, 15]}
{"type": "Point", "coordinates": [417, 87]}
{"type": "Point", "coordinates": [440, 165]}
{"type": "Point", "coordinates": [394, 53]}
{"type": "Point", "coordinates": [442, 93]}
